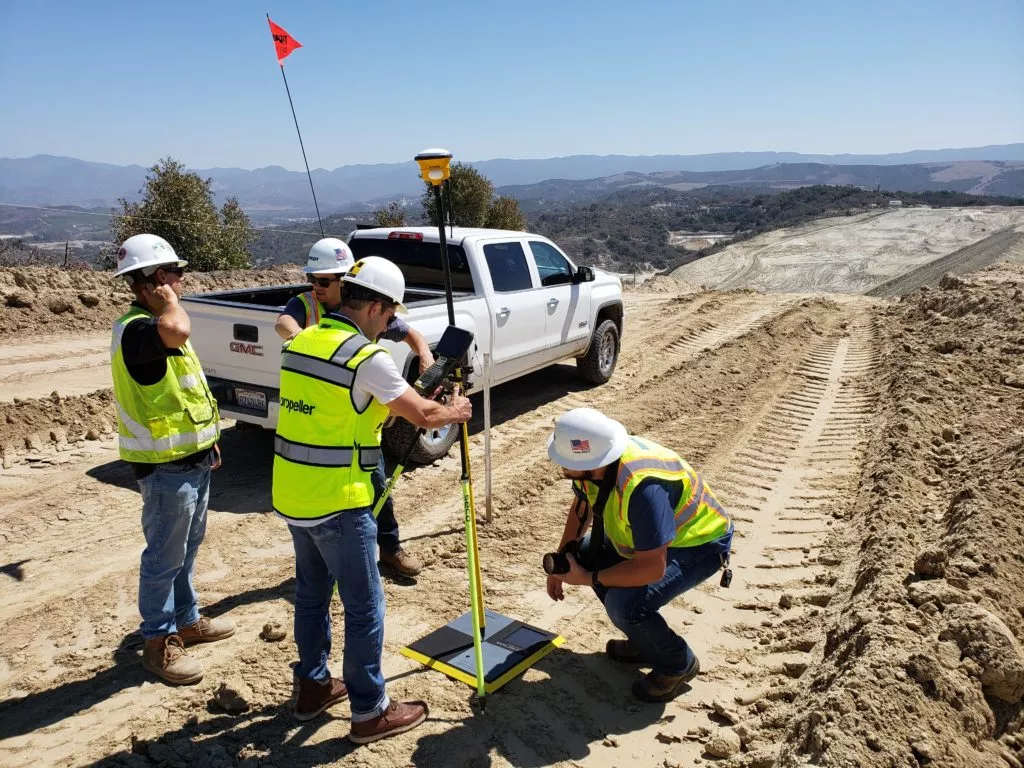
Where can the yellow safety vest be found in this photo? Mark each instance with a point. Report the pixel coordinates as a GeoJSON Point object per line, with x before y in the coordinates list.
{"type": "Point", "coordinates": [314, 310]}
{"type": "Point", "coordinates": [699, 516]}
{"type": "Point", "coordinates": [325, 449]}
{"type": "Point", "coordinates": [168, 420]}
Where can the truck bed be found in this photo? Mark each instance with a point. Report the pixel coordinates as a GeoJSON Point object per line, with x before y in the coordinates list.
{"type": "Point", "coordinates": [275, 297]}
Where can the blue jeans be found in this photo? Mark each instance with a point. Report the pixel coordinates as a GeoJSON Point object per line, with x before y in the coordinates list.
{"type": "Point", "coordinates": [635, 610]}
{"type": "Point", "coordinates": [174, 502]}
{"type": "Point", "coordinates": [387, 523]}
{"type": "Point", "coordinates": [341, 549]}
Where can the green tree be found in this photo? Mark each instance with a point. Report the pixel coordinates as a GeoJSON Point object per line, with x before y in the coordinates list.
{"type": "Point", "coordinates": [178, 206]}
{"type": "Point", "coordinates": [236, 235]}
{"type": "Point", "coordinates": [470, 199]}
{"type": "Point", "coordinates": [504, 213]}
{"type": "Point", "coordinates": [391, 215]}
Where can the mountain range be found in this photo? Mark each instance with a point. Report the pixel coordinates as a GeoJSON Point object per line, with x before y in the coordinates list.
{"type": "Point", "coordinates": [274, 192]}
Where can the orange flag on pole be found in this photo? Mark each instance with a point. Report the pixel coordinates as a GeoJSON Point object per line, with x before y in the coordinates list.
{"type": "Point", "coordinates": [283, 42]}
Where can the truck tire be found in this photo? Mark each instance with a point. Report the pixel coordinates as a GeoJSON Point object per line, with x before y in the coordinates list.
{"type": "Point", "coordinates": [598, 364]}
{"type": "Point", "coordinates": [431, 446]}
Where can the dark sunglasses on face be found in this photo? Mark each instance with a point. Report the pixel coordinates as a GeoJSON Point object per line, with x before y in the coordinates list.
{"type": "Point", "coordinates": [323, 282]}
{"type": "Point", "coordinates": [179, 271]}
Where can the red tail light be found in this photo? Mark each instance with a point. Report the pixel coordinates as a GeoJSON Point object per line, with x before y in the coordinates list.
{"type": "Point", "coordinates": [405, 236]}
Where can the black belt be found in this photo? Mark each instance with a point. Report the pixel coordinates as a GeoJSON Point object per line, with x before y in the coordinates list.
{"type": "Point", "coordinates": [192, 460]}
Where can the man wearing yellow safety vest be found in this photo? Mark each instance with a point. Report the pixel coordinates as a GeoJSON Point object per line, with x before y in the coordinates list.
{"type": "Point", "coordinates": [328, 260]}
{"type": "Point", "coordinates": [338, 386]}
{"type": "Point", "coordinates": [664, 532]}
{"type": "Point", "coordinates": [167, 425]}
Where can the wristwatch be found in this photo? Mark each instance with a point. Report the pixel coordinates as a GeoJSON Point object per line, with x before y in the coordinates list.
{"type": "Point", "coordinates": [594, 581]}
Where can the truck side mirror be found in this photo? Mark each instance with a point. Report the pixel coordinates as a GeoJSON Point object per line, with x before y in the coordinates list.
{"type": "Point", "coordinates": [583, 275]}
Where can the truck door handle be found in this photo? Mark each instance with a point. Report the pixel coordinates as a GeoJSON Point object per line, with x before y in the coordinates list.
{"type": "Point", "coordinates": [552, 302]}
{"type": "Point", "coordinates": [504, 312]}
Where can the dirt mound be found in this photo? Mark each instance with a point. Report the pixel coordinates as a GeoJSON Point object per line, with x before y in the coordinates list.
{"type": "Point", "coordinates": [923, 661]}
{"type": "Point", "coordinates": [47, 301]}
{"type": "Point", "coordinates": [36, 429]}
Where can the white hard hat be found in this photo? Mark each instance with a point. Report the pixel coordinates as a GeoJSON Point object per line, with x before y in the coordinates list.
{"type": "Point", "coordinates": [329, 256]}
{"type": "Point", "coordinates": [380, 276]}
{"type": "Point", "coordinates": [586, 439]}
{"type": "Point", "coordinates": [145, 252]}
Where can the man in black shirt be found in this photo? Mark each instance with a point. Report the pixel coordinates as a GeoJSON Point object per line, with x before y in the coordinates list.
{"type": "Point", "coordinates": [167, 423]}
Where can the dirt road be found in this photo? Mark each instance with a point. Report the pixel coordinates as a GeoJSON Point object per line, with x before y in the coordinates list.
{"type": "Point", "coordinates": [787, 402]}
{"type": "Point", "coordinates": [72, 366]}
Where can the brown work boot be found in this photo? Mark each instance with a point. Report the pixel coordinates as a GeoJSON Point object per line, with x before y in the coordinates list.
{"type": "Point", "coordinates": [398, 718]}
{"type": "Point", "coordinates": [206, 631]}
{"type": "Point", "coordinates": [620, 651]}
{"type": "Point", "coordinates": [166, 658]}
{"type": "Point", "coordinates": [402, 562]}
{"type": "Point", "coordinates": [313, 697]}
{"type": "Point", "coordinates": [656, 687]}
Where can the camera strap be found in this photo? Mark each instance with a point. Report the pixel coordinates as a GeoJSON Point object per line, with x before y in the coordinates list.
{"type": "Point", "coordinates": [611, 473]}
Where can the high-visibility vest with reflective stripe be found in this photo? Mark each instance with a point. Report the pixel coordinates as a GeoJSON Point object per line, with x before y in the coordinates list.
{"type": "Point", "coordinates": [699, 517]}
{"type": "Point", "coordinates": [325, 450]}
{"type": "Point", "coordinates": [313, 309]}
{"type": "Point", "coordinates": [171, 419]}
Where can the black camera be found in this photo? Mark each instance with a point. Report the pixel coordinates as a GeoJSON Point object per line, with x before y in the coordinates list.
{"type": "Point", "coordinates": [558, 562]}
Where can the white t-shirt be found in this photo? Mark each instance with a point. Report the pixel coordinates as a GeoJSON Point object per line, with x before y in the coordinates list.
{"type": "Point", "coordinates": [378, 377]}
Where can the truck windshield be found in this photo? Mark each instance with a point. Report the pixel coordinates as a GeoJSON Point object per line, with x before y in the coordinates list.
{"type": "Point", "coordinates": [419, 261]}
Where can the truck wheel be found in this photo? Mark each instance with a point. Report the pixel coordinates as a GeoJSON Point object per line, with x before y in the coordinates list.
{"type": "Point", "coordinates": [598, 364]}
{"type": "Point", "coordinates": [431, 446]}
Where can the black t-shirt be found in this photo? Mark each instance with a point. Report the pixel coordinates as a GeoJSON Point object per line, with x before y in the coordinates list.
{"type": "Point", "coordinates": [145, 357]}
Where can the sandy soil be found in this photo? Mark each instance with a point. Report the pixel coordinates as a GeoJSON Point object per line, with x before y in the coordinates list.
{"type": "Point", "coordinates": [849, 254]}
{"type": "Point", "coordinates": [870, 450]}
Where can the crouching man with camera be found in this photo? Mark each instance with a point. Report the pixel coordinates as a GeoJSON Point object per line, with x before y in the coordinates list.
{"type": "Point", "coordinates": [657, 531]}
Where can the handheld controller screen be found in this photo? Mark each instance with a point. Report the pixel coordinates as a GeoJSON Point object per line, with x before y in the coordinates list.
{"type": "Point", "coordinates": [451, 350]}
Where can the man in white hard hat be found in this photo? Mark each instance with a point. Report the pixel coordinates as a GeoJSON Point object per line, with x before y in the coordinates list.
{"type": "Point", "coordinates": [167, 424]}
{"type": "Point", "coordinates": [329, 259]}
{"type": "Point", "coordinates": [338, 387]}
{"type": "Point", "coordinates": [659, 532]}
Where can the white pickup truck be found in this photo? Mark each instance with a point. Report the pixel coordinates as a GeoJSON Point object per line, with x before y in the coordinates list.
{"type": "Point", "coordinates": [527, 304]}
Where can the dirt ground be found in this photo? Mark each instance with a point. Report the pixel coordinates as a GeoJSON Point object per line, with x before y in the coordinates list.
{"type": "Point", "coordinates": [871, 451]}
{"type": "Point", "coordinates": [854, 254]}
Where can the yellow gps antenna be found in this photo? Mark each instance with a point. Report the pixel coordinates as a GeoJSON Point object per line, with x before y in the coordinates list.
{"type": "Point", "coordinates": [435, 168]}
{"type": "Point", "coordinates": [512, 646]}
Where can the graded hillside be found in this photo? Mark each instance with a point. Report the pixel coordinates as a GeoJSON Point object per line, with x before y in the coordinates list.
{"type": "Point", "coordinates": [871, 452]}
{"type": "Point", "coordinates": [856, 254]}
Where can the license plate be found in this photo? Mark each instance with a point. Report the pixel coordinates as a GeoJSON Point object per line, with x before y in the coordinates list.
{"type": "Point", "coordinates": [254, 401]}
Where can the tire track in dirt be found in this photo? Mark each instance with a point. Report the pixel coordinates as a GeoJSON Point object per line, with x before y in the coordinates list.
{"type": "Point", "coordinates": [968, 259]}
{"type": "Point", "coordinates": [538, 500]}
{"type": "Point", "coordinates": [97, 702]}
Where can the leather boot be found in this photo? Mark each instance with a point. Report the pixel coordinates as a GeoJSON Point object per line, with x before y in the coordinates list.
{"type": "Point", "coordinates": [398, 718]}
{"type": "Point", "coordinates": [166, 658]}
{"type": "Point", "coordinates": [206, 631]}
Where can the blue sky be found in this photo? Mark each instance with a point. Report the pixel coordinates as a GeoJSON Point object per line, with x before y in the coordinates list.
{"type": "Point", "coordinates": [129, 82]}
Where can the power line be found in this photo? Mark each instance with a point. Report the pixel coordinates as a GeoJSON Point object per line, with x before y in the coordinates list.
{"type": "Point", "coordinates": [150, 218]}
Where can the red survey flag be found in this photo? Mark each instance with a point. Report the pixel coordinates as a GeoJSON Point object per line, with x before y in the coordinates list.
{"type": "Point", "coordinates": [283, 42]}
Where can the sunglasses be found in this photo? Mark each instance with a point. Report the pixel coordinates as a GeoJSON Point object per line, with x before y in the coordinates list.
{"type": "Point", "coordinates": [323, 282]}
{"type": "Point", "coordinates": [179, 271]}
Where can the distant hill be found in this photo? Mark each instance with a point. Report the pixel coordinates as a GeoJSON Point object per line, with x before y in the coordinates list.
{"type": "Point", "coordinates": [972, 177]}
{"type": "Point", "coordinates": [274, 194]}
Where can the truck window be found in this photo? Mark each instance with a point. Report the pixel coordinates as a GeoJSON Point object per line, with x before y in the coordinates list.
{"type": "Point", "coordinates": [552, 266]}
{"type": "Point", "coordinates": [507, 264]}
{"type": "Point", "coordinates": [419, 261]}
